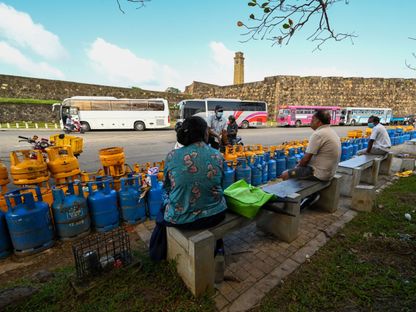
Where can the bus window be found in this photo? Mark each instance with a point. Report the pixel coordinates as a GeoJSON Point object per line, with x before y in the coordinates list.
{"type": "Point", "coordinates": [191, 108]}
{"type": "Point", "coordinates": [138, 105]}
{"type": "Point", "coordinates": [100, 106]}
{"type": "Point", "coordinates": [156, 106]}
{"type": "Point", "coordinates": [120, 106]}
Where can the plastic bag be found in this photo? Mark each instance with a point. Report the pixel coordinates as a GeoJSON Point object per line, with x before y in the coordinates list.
{"type": "Point", "coordinates": [245, 199]}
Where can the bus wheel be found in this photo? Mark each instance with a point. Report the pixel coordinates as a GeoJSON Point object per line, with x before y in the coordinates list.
{"type": "Point", "coordinates": [298, 123]}
{"type": "Point", "coordinates": [353, 122]}
{"type": "Point", "coordinates": [85, 126]}
{"type": "Point", "coordinates": [139, 126]}
{"type": "Point", "coordinates": [245, 124]}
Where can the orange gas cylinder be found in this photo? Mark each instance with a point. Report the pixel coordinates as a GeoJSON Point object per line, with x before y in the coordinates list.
{"type": "Point", "coordinates": [239, 151]}
{"type": "Point", "coordinates": [161, 166]}
{"type": "Point", "coordinates": [62, 164]}
{"type": "Point", "coordinates": [4, 178]}
{"type": "Point", "coordinates": [248, 152]}
{"type": "Point", "coordinates": [258, 149]}
{"type": "Point", "coordinates": [27, 167]}
{"type": "Point", "coordinates": [368, 132]}
{"type": "Point", "coordinates": [230, 154]}
{"type": "Point", "coordinates": [113, 159]}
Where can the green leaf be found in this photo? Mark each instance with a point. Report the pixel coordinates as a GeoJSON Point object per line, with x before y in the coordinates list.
{"type": "Point", "coordinates": [290, 22]}
{"type": "Point", "coordinates": [252, 16]}
{"type": "Point", "coordinates": [286, 26]}
{"type": "Point", "coordinates": [264, 5]}
{"type": "Point", "coordinates": [267, 10]}
{"type": "Point", "coordinates": [252, 4]}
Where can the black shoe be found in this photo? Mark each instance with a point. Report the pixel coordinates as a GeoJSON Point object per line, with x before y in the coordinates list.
{"type": "Point", "coordinates": [309, 201]}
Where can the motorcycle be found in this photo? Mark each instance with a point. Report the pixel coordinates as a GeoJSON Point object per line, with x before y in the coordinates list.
{"type": "Point", "coordinates": [38, 144]}
{"type": "Point", "coordinates": [74, 126]}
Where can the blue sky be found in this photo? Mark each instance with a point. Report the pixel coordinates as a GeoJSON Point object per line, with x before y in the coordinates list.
{"type": "Point", "coordinates": [172, 43]}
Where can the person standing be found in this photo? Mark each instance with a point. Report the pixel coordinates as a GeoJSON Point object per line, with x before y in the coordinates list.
{"type": "Point", "coordinates": [379, 142]}
{"type": "Point", "coordinates": [232, 130]}
{"type": "Point", "coordinates": [217, 125]}
{"type": "Point", "coordinates": [322, 154]}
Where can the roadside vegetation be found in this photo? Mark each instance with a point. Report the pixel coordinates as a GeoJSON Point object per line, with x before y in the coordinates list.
{"type": "Point", "coordinates": [26, 101]}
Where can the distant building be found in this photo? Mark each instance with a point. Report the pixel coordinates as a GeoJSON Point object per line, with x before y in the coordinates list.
{"type": "Point", "coordinates": [239, 68]}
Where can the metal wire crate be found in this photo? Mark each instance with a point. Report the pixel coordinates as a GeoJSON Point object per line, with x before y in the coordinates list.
{"type": "Point", "coordinates": [102, 252]}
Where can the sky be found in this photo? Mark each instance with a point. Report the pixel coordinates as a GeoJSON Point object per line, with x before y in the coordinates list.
{"type": "Point", "coordinates": [170, 43]}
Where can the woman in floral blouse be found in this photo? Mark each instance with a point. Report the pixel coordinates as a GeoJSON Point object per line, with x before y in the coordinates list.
{"type": "Point", "coordinates": [193, 177]}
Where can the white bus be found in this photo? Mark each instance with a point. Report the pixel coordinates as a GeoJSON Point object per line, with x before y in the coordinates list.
{"type": "Point", "coordinates": [353, 116]}
{"type": "Point", "coordinates": [246, 113]}
{"type": "Point", "coordinates": [95, 112]}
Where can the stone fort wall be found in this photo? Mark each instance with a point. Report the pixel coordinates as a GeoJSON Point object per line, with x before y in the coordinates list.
{"type": "Point", "coordinates": [395, 93]}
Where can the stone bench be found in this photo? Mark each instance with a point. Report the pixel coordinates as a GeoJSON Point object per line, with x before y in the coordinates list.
{"type": "Point", "coordinates": [193, 252]}
{"type": "Point", "coordinates": [365, 168]}
{"type": "Point", "coordinates": [285, 226]}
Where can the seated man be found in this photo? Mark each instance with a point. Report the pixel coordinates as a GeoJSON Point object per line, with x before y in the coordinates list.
{"type": "Point", "coordinates": [379, 143]}
{"type": "Point", "coordinates": [321, 156]}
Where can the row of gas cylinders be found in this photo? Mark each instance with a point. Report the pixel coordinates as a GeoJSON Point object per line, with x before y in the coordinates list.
{"type": "Point", "coordinates": [30, 225]}
{"type": "Point", "coordinates": [351, 147]}
{"type": "Point", "coordinates": [260, 169]}
{"type": "Point", "coordinates": [398, 136]}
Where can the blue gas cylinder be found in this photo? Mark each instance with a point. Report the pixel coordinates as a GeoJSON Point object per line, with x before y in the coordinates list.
{"type": "Point", "coordinates": [102, 201]}
{"type": "Point", "coordinates": [229, 174]}
{"type": "Point", "coordinates": [291, 159]}
{"type": "Point", "coordinates": [300, 152]}
{"type": "Point", "coordinates": [344, 151]}
{"type": "Point", "coordinates": [5, 243]}
{"type": "Point", "coordinates": [243, 171]}
{"type": "Point", "coordinates": [271, 166]}
{"type": "Point", "coordinates": [280, 158]}
{"type": "Point", "coordinates": [264, 169]}
{"type": "Point", "coordinates": [360, 144]}
{"type": "Point", "coordinates": [70, 212]}
{"type": "Point", "coordinates": [365, 143]}
{"type": "Point", "coordinates": [132, 207]}
{"type": "Point", "coordinates": [29, 221]}
{"type": "Point", "coordinates": [155, 197]}
{"type": "Point", "coordinates": [256, 171]}
{"type": "Point", "coordinates": [350, 150]}
{"type": "Point", "coordinates": [354, 147]}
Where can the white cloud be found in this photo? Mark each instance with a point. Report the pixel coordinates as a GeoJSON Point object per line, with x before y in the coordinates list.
{"type": "Point", "coordinates": [12, 56]}
{"type": "Point", "coordinates": [122, 67]}
{"type": "Point", "coordinates": [19, 29]}
{"type": "Point", "coordinates": [221, 55]}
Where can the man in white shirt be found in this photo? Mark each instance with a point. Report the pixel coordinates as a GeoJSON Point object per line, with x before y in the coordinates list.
{"type": "Point", "coordinates": [322, 154]}
{"type": "Point", "coordinates": [217, 125]}
{"type": "Point", "coordinates": [379, 143]}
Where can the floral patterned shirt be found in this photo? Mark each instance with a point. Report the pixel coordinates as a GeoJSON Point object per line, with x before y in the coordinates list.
{"type": "Point", "coordinates": [193, 176]}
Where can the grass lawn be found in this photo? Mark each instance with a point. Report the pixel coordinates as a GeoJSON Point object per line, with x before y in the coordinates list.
{"type": "Point", "coordinates": [369, 266]}
{"type": "Point", "coordinates": [26, 101]}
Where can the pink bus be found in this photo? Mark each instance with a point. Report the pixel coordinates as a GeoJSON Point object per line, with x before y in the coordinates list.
{"type": "Point", "coordinates": [302, 115]}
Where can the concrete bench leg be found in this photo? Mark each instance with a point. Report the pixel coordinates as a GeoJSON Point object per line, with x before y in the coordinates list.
{"type": "Point", "coordinates": [385, 166]}
{"type": "Point", "coordinates": [282, 226]}
{"type": "Point", "coordinates": [350, 181]}
{"type": "Point", "coordinates": [329, 197]}
{"type": "Point", "coordinates": [370, 175]}
{"type": "Point", "coordinates": [194, 259]}
{"type": "Point", "coordinates": [363, 198]}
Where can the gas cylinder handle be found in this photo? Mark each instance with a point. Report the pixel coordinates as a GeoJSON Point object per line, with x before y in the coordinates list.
{"type": "Point", "coordinates": [123, 184]}
{"type": "Point", "coordinates": [80, 189]}
{"type": "Point", "coordinates": [17, 195]}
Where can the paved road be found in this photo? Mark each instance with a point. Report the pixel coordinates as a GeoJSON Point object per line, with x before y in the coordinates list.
{"type": "Point", "coordinates": [147, 146]}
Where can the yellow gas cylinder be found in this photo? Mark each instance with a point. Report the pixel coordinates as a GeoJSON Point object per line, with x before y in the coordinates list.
{"type": "Point", "coordinates": [229, 154]}
{"type": "Point", "coordinates": [75, 142]}
{"type": "Point", "coordinates": [112, 159]}
{"type": "Point", "coordinates": [62, 164]}
{"type": "Point", "coordinates": [27, 167]}
{"type": "Point", "coordinates": [258, 149]}
{"type": "Point", "coordinates": [4, 178]}
{"type": "Point", "coordinates": [368, 132]}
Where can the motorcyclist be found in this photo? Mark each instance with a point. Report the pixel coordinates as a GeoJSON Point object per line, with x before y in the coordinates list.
{"type": "Point", "coordinates": [69, 123]}
{"type": "Point", "coordinates": [232, 130]}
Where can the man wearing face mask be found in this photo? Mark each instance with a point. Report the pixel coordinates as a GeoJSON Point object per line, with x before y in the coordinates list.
{"type": "Point", "coordinates": [322, 154]}
{"type": "Point", "coordinates": [379, 142]}
{"type": "Point", "coordinates": [217, 125]}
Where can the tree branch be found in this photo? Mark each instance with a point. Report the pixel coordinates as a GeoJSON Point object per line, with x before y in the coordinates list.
{"type": "Point", "coordinates": [280, 20]}
{"type": "Point", "coordinates": [141, 2]}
